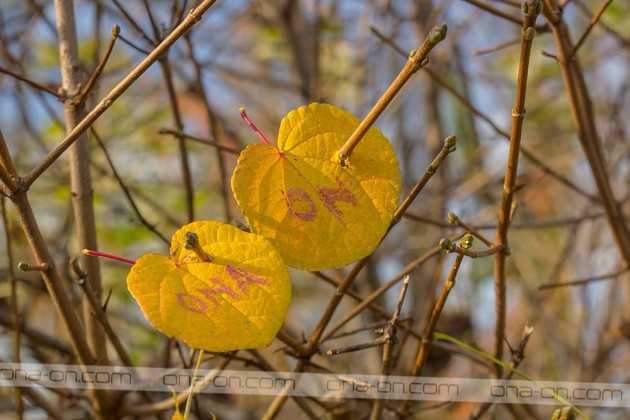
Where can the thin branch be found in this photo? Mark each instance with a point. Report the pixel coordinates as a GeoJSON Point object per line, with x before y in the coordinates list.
{"type": "Point", "coordinates": [584, 120]}
{"type": "Point", "coordinates": [624, 41]}
{"type": "Point", "coordinates": [80, 176]}
{"type": "Point", "coordinates": [449, 147]}
{"type": "Point", "coordinates": [372, 297]}
{"type": "Point", "coordinates": [194, 16]}
{"type": "Point", "coordinates": [52, 280]}
{"type": "Point", "coordinates": [134, 24]}
{"type": "Point", "coordinates": [475, 111]}
{"type": "Point", "coordinates": [215, 126]}
{"type": "Point", "coordinates": [30, 82]}
{"type": "Point", "coordinates": [189, 193]}
{"type": "Point", "coordinates": [133, 45]}
{"type": "Point", "coordinates": [98, 310]}
{"type": "Point", "coordinates": [455, 220]}
{"type": "Point", "coordinates": [427, 337]}
{"type": "Point", "coordinates": [518, 355]}
{"type": "Point", "coordinates": [448, 285]}
{"type": "Point", "coordinates": [101, 65]}
{"type": "Point", "coordinates": [15, 309]}
{"type": "Point", "coordinates": [417, 59]}
{"type": "Point", "coordinates": [531, 8]}
{"type": "Point", "coordinates": [497, 47]}
{"type": "Point", "coordinates": [590, 26]}
{"type": "Point", "coordinates": [132, 202]}
{"type": "Point", "coordinates": [451, 247]}
{"type": "Point", "coordinates": [583, 282]}
{"type": "Point", "coordinates": [389, 337]}
{"type": "Point", "coordinates": [7, 170]}
{"type": "Point", "coordinates": [496, 12]}
{"type": "Point", "coordinates": [209, 142]}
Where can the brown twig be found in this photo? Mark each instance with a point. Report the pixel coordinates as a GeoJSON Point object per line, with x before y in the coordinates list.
{"type": "Point", "coordinates": [209, 142]}
{"type": "Point", "coordinates": [496, 12]}
{"type": "Point", "coordinates": [51, 278]}
{"type": "Point", "coordinates": [22, 266]}
{"type": "Point", "coordinates": [99, 69]}
{"type": "Point", "coordinates": [7, 171]}
{"type": "Point", "coordinates": [451, 247]}
{"type": "Point", "coordinates": [132, 202]}
{"type": "Point", "coordinates": [427, 337]}
{"type": "Point", "coordinates": [133, 45]}
{"type": "Point", "coordinates": [497, 47]}
{"type": "Point", "coordinates": [449, 147]}
{"type": "Point", "coordinates": [389, 338]}
{"type": "Point", "coordinates": [417, 59]}
{"type": "Point", "coordinates": [193, 17]}
{"type": "Point", "coordinates": [311, 345]}
{"type": "Point", "coordinates": [518, 355]}
{"type": "Point", "coordinates": [215, 128]}
{"type": "Point", "coordinates": [590, 26]}
{"type": "Point", "coordinates": [15, 309]}
{"type": "Point", "coordinates": [189, 192]}
{"type": "Point", "coordinates": [368, 300]}
{"type": "Point", "coordinates": [448, 285]}
{"type": "Point", "coordinates": [583, 282]}
{"type": "Point", "coordinates": [80, 277]}
{"type": "Point", "coordinates": [80, 179]}
{"type": "Point", "coordinates": [623, 40]}
{"type": "Point", "coordinates": [133, 23]}
{"type": "Point", "coordinates": [531, 8]}
{"type": "Point", "coordinates": [455, 220]}
{"type": "Point", "coordinates": [36, 338]}
{"type": "Point", "coordinates": [504, 134]}
{"type": "Point", "coordinates": [96, 307]}
{"type": "Point", "coordinates": [30, 82]}
{"type": "Point", "coordinates": [584, 120]}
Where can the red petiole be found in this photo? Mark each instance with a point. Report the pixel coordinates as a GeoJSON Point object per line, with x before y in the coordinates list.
{"type": "Point", "coordinates": [105, 255]}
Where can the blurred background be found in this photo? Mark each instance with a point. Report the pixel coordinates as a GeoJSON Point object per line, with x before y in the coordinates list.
{"type": "Point", "coordinates": [273, 56]}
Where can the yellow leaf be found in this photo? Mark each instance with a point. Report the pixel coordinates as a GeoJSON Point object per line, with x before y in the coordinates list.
{"type": "Point", "coordinates": [236, 301]}
{"type": "Point", "coordinates": [319, 214]}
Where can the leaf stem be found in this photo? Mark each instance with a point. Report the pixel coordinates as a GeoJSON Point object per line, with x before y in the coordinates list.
{"type": "Point", "coordinates": [93, 253]}
{"type": "Point", "coordinates": [192, 243]}
{"type": "Point", "coordinates": [252, 126]}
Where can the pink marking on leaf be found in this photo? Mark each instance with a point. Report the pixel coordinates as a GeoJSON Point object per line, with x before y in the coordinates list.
{"type": "Point", "coordinates": [223, 288]}
{"type": "Point", "coordinates": [295, 195]}
{"type": "Point", "coordinates": [330, 197]}
{"type": "Point", "coordinates": [244, 277]}
{"type": "Point", "coordinates": [196, 304]}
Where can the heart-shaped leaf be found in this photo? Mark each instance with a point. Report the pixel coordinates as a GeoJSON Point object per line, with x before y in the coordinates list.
{"type": "Point", "coordinates": [236, 300]}
{"type": "Point", "coordinates": [319, 214]}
